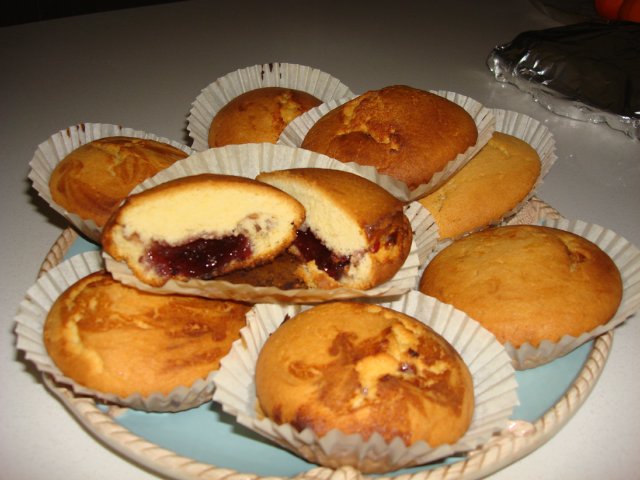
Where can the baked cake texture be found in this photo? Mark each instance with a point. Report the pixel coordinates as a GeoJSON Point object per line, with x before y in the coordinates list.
{"type": "Point", "coordinates": [527, 283]}
{"type": "Point", "coordinates": [364, 369]}
{"type": "Point", "coordinates": [404, 132]}
{"type": "Point", "coordinates": [93, 179]}
{"type": "Point", "coordinates": [355, 233]}
{"type": "Point", "coordinates": [258, 115]}
{"type": "Point", "coordinates": [118, 340]}
{"type": "Point", "coordinates": [201, 226]}
{"type": "Point", "coordinates": [489, 186]}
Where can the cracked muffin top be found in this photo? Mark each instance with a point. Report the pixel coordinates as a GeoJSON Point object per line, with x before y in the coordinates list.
{"type": "Point", "coordinates": [364, 369]}
{"type": "Point", "coordinates": [404, 132]}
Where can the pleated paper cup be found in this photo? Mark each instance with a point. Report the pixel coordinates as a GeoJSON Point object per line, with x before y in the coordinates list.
{"type": "Point", "coordinates": [217, 94]}
{"type": "Point", "coordinates": [296, 131]}
{"type": "Point", "coordinates": [30, 320]}
{"type": "Point", "coordinates": [626, 256]}
{"type": "Point", "coordinates": [490, 366]}
{"type": "Point", "coordinates": [53, 150]}
{"type": "Point", "coordinates": [539, 137]}
{"type": "Point", "coordinates": [248, 160]}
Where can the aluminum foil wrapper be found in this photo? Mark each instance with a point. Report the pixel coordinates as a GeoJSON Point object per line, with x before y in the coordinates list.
{"type": "Point", "coordinates": [586, 71]}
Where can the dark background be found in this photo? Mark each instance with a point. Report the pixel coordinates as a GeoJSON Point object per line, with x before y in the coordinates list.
{"type": "Point", "coordinates": [25, 11]}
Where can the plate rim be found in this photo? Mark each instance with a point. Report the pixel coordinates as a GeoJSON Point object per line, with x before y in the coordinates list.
{"type": "Point", "coordinates": [515, 442]}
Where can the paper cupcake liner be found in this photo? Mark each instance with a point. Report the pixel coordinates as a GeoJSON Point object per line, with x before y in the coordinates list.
{"type": "Point", "coordinates": [425, 230]}
{"type": "Point", "coordinates": [537, 136]}
{"type": "Point", "coordinates": [50, 152]}
{"type": "Point", "coordinates": [533, 211]}
{"type": "Point", "coordinates": [30, 320]}
{"type": "Point", "coordinates": [493, 376]}
{"type": "Point", "coordinates": [625, 255]}
{"type": "Point", "coordinates": [294, 134]}
{"type": "Point", "coordinates": [248, 160]}
{"type": "Point", "coordinates": [217, 94]}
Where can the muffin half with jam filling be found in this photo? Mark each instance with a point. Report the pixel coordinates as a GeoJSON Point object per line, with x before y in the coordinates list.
{"type": "Point", "coordinates": [355, 234]}
{"type": "Point", "coordinates": [200, 227]}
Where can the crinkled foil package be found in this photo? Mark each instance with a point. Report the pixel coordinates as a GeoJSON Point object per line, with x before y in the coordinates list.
{"type": "Point", "coordinates": [587, 71]}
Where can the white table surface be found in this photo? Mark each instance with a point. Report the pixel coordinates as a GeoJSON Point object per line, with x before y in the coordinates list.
{"type": "Point", "coordinates": [142, 68]}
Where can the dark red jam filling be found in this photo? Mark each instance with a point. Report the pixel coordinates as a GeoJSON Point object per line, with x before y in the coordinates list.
{"type": "Point", "coordinates": [202, 258]}
{"type": "Point", "coordinates": [312, 249]}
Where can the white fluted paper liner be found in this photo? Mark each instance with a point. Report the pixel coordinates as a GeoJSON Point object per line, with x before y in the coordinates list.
{"type": "Point", "coordinates": [216, 95]}
{"type": "Point", "coordinates": [248, 160]}
{"type": "Point", "coordinates": [537, 136]}
{"type": "Point", "coordinates": [533, 211]}
{"type": "Point", "coordinates": [626, 256]}
{"type": "Point", "coordinates": [295, 132]}
{"type": "Point", "coordinates": [53, 150]}
{"type": "Point", "coordinates": [425, 230]}
{"type": "Point", "coordinates": [490, 366]}
{"type": "Point", "coordinates": [31, 317]}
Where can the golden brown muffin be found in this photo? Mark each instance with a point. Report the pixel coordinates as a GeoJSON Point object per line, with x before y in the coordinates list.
{"type": "Point", "coordinates": [355, 234]}
{"type": "Point", "coordinates": [93, 179]}
{"type": "Point", "coordinates": [201, 226]}
{"type": "Point", "coordinates": [490, 185]}
{"type": "Point", "coordinates": [118, 340]}
{"type": "Point", "coordinates": [404, 132]}
{"type": "Point", "coordinates": [282, 272]}
{"type": "Point", "coordinates": [527, 283]}
{"type": "Point", "coordinates": [258, 115]}
{"type": "Point", "coordinates": [364, 369]}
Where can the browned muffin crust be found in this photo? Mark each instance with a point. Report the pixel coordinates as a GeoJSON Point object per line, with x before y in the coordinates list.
{"type": "Point", "coordinates": [281, 272]}
{"type": "Point", "coordinates": [258, 115]}
{"type": "Point", "coordinates": [200, 227]}
{"type": "Point", "coordinates": [489, 186]}
{"type": "Point", "coordinates": [404, 132]}
{"type": "Point", "coordinates": [364, 369]}
{"type": "Point", "coordinates": [527, 283]}
{"type": "Point", "coordinates": [119, 340]}
{"type": "Point", "coordinates": [355, 233]}
{"type": "Point", "coordinates": [92, 180]}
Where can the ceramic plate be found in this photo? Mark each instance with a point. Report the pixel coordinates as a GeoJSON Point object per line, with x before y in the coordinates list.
{"type": "Point", "coordinates": [206, 443]}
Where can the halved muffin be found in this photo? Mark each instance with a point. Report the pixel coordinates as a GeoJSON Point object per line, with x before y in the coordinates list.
{"type": "Point", "coordinates": [355, 233]}
{"type": "Point", "coordinates": [200, 227]}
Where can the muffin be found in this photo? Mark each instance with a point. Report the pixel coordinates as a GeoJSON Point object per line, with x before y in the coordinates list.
{"type": "Point", "coordinates": [527, 283]}
{"type": "Point", "coordinates": [118, 340]}
{"type": "Point", "coordinates": [258, 115]}
{"type": "Point", "coordinates": [364, 369]}
{"type": "Point", "coordinates": [201, 226]}
{"type": "Point", "coordinates": [490, 185]}
{"type": "Point", "coordinates": [355, 233]}
{"type": "Point", "coordinates": [404, 132]}
{"type": "Point", "coordinates": [283, 272]}
{"type": "Point", "coordinates": [93, 179]}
